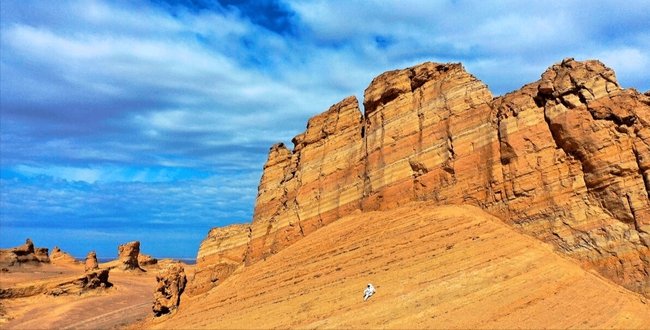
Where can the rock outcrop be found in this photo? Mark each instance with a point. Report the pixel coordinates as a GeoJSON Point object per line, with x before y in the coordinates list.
{"type": "Point", "coordinates": [90, 280]}
{"type": "Point", "coordinates": [93, 280]}
{"type": "Point", "coordinates": [25, 253]}
{"type": "Point", "coordinates": [91, 263]}
{"type": "Point", "coordinates": [128, 256]}
{"type": "Point", "coordinates": [146, 260]}
{"type": "Point", "coordinates": [42, 254]}
{"type": "Point", "coordinates": [60, 257]}
{"type": "Point", "coordinates": [171, 283]}
{"type": "Point", "coordinates": [565, 159]}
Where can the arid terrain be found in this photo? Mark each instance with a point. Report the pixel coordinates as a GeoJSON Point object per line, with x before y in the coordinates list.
{"type": "Point", "coordinates": [128, 300]}
{"type": "Point", "coordinates": [433, 267]}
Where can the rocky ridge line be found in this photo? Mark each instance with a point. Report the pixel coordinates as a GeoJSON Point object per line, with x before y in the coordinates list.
{"type": "Point", "coordinates": [565, 159]}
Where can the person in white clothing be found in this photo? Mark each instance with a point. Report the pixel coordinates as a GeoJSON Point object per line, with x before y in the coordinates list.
{"type": "Point", "coordinates": [369, 291]}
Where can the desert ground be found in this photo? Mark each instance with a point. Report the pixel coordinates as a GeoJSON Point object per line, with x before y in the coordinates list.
{"type": "Point", "coordinates": [129, 299]}
{"type": "Point", "coordinates": [433, 267]}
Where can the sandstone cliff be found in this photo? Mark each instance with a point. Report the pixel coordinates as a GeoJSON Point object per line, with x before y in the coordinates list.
{"type": "Point", "coordinates": [565, 159]}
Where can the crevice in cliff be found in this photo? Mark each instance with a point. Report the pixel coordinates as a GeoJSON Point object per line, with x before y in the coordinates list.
{"type": "Point", "coordinates": [448, 165]}
{"type": "Point", "coordinates": [298, 220]}
{"type": "Point", "coordinates": [646, 180]}
{"type": "Point", "coordinates": [248, 245]}
{"type": "Point", "coordinates": [506, 151]}
{"type": "Point", "coordinates": [367, 185]}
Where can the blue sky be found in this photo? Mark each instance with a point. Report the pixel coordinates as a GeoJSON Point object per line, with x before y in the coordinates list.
{"type": "Point", "coordinates": [151, 120]}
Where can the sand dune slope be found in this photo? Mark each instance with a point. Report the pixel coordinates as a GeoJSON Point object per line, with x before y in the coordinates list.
{"type": "Point", "coordinates": [433, 267]}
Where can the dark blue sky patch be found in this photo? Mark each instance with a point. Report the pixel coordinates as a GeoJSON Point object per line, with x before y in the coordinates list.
{"type": "Point", "coordinates": [273, 15]}
{"type": "Point", "coordinates": [384, 42]}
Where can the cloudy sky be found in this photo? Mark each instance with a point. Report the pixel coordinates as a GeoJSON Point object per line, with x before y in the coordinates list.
{"type": "Point", "coordinates": [150, 120]}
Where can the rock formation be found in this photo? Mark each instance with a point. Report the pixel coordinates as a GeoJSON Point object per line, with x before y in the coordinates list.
{"type": "Point", "coordinates": [42, 254]}
{"type": "Point", "coordinates": [60, 257]}
{"type": "Point", "coordinates": [565, 159]}
{"type": "Point", "coordinates": [91, 263]}
{"type": "Point", "coordinates": [146, 260]}
{"type": "Point", "coordinates": [91, 280]}
{"type": "Point", "coordinates": [76, 285]}
{"type": "Point", "coordinates": [171, 283]}
{"type": "Point", "coordinates": [24, 254]}
{"type": "Point", "coordinates": [128, 256]}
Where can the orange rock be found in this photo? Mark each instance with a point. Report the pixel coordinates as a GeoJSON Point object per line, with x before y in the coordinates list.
{"type": "Point", "coordinates": [565, 159]}
{"type": "Point", "coordinates": [60, 257]}
{"type": "Point", "coordinates": [171, 283]}
{"type": "Point", "coordinates": [128, 255]}
{"type": "Point", "coordinates": [91, 263]}
{"type": "Point", "coordinates": [146, 260]}
{"type": "Point", "coordinates": [25, 253]}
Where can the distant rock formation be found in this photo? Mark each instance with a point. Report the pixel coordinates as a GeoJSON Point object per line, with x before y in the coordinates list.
{"type": "Point", "coordinates": [91, 280]}
{"type": "Point", "coordinates": [76, 285]}
{"type": "Point", "coordinates": [565, 159]}
{"type": "Point", "coordinates": [42, 254]}
{"type": "Point", "coordinates": [60, 257]}
{"type": "Point", "coordinates": [171, 284]}
{"type": "Point", "coordinates": [128, 255]}
{"type": "Point", "coordinates": [24, 254]}
{"type": "Point", "coordinates": [91, 263]}
{"type": "Point", "coordinates": [146, 260]}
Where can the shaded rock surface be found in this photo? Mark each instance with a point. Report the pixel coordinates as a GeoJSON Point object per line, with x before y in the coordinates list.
{"type": "Point", "coordinates": [171, 284]}
{"type": "Point", "coordinates": [565, 159]}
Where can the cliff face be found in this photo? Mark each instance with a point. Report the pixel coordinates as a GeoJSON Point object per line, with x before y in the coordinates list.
{"type": "Point", "coordinates": [565, 159]}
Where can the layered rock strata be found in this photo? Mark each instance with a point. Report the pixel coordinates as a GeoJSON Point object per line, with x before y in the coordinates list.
{"type": "Point", "coordinates": [565, 159]}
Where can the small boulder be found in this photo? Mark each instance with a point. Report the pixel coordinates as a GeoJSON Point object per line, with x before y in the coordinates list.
{"type": "Point", "coordinates": [171, 284]}
{"type": "Point", "coordinates": [91, 262]}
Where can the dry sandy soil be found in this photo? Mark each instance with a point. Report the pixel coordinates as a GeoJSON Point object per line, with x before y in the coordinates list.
{"type": "Point", "coordinates": [433, 267]}
{"type": "Point", "coordinates": [129, 300]}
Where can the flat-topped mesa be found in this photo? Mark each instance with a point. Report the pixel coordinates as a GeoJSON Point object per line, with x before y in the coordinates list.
{"type": "Point", "coordinates": [566, 159]}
